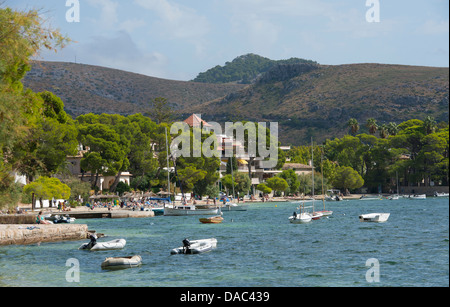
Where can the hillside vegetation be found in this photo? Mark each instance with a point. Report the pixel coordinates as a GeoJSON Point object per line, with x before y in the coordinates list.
{"type": "Point", "coordinates": [86, 88]}
{"type": "Point", "coordinates": [244, 69]}
{"type": "Point", "coordinates": [316, 100]}
{"type": "Point", "coordinates": [307, 100]}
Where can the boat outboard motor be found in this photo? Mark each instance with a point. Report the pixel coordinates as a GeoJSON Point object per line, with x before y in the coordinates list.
{"type": "Point", "coordinates": [294, 215]}
{"type": "Point", "coordinates": [93, 241]}
{"type": "Point", "coordinates": [186, 246]}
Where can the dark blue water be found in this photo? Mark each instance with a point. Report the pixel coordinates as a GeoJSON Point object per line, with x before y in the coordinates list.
{"type": "Point", "coordinates": [257, 248]}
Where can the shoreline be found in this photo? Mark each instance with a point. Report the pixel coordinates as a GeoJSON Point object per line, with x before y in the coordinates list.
{"type": "Point", "coordinates": [28, 234]}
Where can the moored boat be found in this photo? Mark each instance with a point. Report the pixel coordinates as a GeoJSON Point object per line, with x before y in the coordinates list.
{"type": "Point", "coordinates": [195, 247]}
{"type": "Point", "coordinates": [374, 217]}
{"type": "Point", "coordinates": [364, 197]}
{"type": "Point", "coordinates": [211, 220]}
{"type": "Point", "coordinates": [436, 194]}
{"type": "Point", "coordinates": [93, 245]}
{"type": "Point", "coordinates": [233, 207]}
{"type": "Point", "coordinates": [301, 218]}
{"type": "Point", "coordinates": [120, 263]}
{"type": "Point", "coordinates": [417, 196]}
{"type": "Point", "coordinates": [189, 210]}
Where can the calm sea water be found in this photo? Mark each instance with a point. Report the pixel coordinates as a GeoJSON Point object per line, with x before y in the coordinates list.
{"type": "Point", "coordinates": [257, 248]}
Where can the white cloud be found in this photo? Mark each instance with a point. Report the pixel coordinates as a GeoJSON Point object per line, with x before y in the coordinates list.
{"type": "Point", "coordinates": [433, 27]}
{"type": "Point", "coordinates": [176, 21]}
{"type": "Point", "coordinates": [131, 25]}
{"type": "Point", "coordinates": [108, 12]}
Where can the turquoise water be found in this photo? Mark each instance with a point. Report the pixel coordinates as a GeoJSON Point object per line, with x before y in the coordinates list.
{"type": "Point", "coordinates": [257, 248]}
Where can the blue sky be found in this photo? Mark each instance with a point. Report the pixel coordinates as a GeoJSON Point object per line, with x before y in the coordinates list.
{"type": "Point", "coordinates": [177, 39]}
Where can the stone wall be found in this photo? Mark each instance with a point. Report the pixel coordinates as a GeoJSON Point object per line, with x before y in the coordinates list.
{"type": "Point", "coordinates": [33, 233]}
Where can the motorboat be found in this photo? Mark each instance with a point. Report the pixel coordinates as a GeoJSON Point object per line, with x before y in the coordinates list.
{"type": "Point", "coordinates": [211, 220]}
{"type": "Point", "coordinates": [182, 210]}
{"type": "Point", "coordinates": [436, 194]}
{"type": "Point", "coordinates": [93, 245]}
{"type": "Point", "coordinates": [59, 219]}
{"type": "Point", "coordinates": [233, 207]}
{"type": "Point", "coordinates": [374, 217]}
{"type": "Point", "coordinates": [394, 197]}
{"type": "Point", "coordinates": [364, 197]}
{"type": "Point", "coordinates": [195, 247]}
{"type": "Point", "coordinates": [300, 218]}
{"type": "Point", "coordinates": [334, 195]}
{"type": "Point", "coordinates": [417, 196]}
{"type": "Point", "coordinates": [120, 263]}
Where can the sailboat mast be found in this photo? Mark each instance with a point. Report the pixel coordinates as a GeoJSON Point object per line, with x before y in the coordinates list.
{"type": "Point", "coordinates": [321, 170]}
{"type": "Point", "coordinates": [396, 173]}
{"type": "Point", "coordinates": [168, 172]}
{"type": "Point", "coordinates": [312, 165]}
{"type": "Point", "coordinates": [232, 177]}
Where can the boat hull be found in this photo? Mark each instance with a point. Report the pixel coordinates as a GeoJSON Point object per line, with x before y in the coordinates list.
{"type": "Point", "coordinates": [374, 217]}
{"type": "Point", "coordinates": [211, 220]}
{"type": "Point", "coordinates": [325, 212]}
{"type": "Point", "coordinates": [120, 263]}
{"type": "Point", "coordinates": [234, 207]}
{"type": "Point", "coordinates": [300, 219]}
{"type": "Point", "coordinates": [111, 245]}
{"type": "Point", "coordinates": [189, 211]}
{"type": "Point", "coordinates": [197, 247]}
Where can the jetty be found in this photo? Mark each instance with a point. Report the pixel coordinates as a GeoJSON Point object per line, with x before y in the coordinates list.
{"type": "Point", "coordinates": [26, 234]}
{"type": "Point", "coordinates": [21, 229]}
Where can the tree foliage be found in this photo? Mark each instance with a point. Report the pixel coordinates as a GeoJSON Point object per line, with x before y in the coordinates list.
{"type": "Point", "coordinates": [244, 69]}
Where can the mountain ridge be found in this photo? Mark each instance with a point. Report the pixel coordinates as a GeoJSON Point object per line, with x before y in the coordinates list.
{"type": "Point", "coordinates": [89, 88]}
{"type": "Point", "coordinates": [308, 99]}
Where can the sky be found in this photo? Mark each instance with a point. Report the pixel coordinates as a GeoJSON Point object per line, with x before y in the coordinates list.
{"type": "Point", "coordinates": [178, 39]}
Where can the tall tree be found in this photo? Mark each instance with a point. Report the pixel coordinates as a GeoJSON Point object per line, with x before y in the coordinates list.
{"type": "Point", "coordinates": [429, 124]}
{"type": "Point", "coordinates": [160, 110]}
{"type": "Point", "coordinates": [372, 125]}
{"type": "Point", "coordinates": [354, 126]}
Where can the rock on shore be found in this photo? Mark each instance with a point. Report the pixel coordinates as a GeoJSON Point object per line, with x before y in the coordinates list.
{"type": "Point", "coordinates": [32, 234]}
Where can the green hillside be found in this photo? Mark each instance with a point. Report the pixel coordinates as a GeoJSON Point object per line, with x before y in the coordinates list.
{"type": "Point", "coordinates": [86, 88]}
{"type": "Point", "coordinates": [244, 69]}
{"type": "Point", "coordinates": [305, 99]}
{"type": "Point", "coordinates": [316, 100]}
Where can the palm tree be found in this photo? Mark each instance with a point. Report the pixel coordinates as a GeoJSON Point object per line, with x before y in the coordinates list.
{"type": "Point", "coordinates": [354, 125]}
{"type": "Point", "coordinates": [384, 131]}
{"type": "Point", "coordinates": [393, 128]}
{"type": "Point", "coordinates": [371, 124]}
{"type": "Point", "coordinates": [429, 124]}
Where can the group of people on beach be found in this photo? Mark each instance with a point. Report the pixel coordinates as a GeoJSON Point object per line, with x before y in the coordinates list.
{"type": "Point", "coordinates": [141, 204]}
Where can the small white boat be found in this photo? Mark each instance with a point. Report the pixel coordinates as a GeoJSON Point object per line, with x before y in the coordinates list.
{"type": "Point", "coordinates": [441, 194]}
{"type": "Point", "coordinates": [98, 246]}
{"type": "Point", "coordinates": [120, 263]}
{"type": "Point", "coordinates": [334, 195]}
{"type": "Point", "coordinates": [394, 197]}
{"type": "Point", "coordinates": [234, 207]}
{"type": "Point", "coordinates": [374, 217]}
{"type": "Point", "coordinates": [379, 197]}
{"type": "Point", "coordinates": [418, 196]}
{"type": "Point", "coordinates": [59, 219]}
{"type": "Point", "coordinates": [301, 218]}
{"type": "Point", "coordinates": [189, 210]}
{"type": "Point", "coordinates": [195, 247]}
